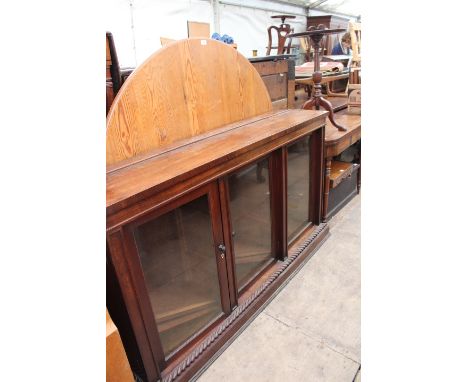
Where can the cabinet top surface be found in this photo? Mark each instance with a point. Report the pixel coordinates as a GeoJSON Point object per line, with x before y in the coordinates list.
{"type": "Point", "coordinates": [352, 122]}
{"type": "Point", "coordinates": [168, 165]}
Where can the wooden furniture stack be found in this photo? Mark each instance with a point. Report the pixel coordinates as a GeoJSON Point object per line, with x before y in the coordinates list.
{"type": "Point", "coordinates": [213, 201]}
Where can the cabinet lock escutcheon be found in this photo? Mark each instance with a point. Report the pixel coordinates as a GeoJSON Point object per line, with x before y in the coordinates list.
{"type": "Point", "coordinates": [222, 249]}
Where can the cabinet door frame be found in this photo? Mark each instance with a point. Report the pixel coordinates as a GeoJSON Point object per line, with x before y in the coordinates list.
{"type": "Point", "coordinates": [316, 152]}
{"type": "Point", "coordinates": [274, 186]}
{"type": "Point", "coordinates": [135, 270]}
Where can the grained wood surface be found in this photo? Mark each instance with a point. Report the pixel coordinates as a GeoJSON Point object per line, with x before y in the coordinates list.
{"type": "Point", "coordinates": [338, 171]}
{"type": "Point", "coordinates": [184, 89]}
{"type": "Point", "coordinates": [337, 141]}
{"type": "Point", "coordinates": [117, 366]}
{"type": "Point", "coordinates": [266, 68]}
{"type": "Point", "coordinates": [167, 167]}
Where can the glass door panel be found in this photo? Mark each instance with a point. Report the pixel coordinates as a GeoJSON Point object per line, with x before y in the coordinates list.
{"type": "Point", "coordinates": [178, 259]}
{"type": "Point", "coordinates": [249, 205]}
{"type": "Point", "coordinates": [298, 171]}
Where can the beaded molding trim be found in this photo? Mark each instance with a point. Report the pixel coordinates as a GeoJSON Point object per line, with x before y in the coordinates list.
{"type": "Point", "coordinates": [240, 309]}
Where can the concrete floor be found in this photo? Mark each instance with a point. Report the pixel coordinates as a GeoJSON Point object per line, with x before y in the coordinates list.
{"type": "Point", "coordinates": [311, 331]}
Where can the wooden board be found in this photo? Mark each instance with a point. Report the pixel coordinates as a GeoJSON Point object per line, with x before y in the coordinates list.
{"type": "Point", "coordinates": [167, 167]}
{"type": "Point", "coordinates": [185, 89]}
{"type": "Point", "coordinates": [117, 366]}
{"type": "Point", "coordinates": [197, 29]}
{"type": "Point", "coordinates": [352, 123]}
{"type": "Point", "coordinates": [266, 68]}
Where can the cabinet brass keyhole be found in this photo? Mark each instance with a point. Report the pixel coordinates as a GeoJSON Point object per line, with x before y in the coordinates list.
{"type": "Point", "coordinates": [222, 249]}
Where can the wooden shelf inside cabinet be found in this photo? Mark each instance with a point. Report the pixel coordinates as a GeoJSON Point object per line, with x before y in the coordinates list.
{"type": "Point", "coordinates": [174, 312]}
{"type": "Point", "coordinates": [340, 171]}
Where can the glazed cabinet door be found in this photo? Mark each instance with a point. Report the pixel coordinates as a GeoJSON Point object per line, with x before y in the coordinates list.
{"type": "Point", "coordinates": [250, 220]}
{"type": "Point", "coordinates": [182, 263]}
{"type": "Point", "coordinates": [298, 169]}
{"type": "Point", "coordinates": [304, 172]}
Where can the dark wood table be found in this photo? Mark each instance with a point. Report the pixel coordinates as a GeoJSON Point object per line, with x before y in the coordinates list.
{"type": "Point", "coordinates": [315, 35]}
{"type": "Point", "coordinates": [336, 142]}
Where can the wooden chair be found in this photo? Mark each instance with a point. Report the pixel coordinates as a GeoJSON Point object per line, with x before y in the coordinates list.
{"type": "Point", "coordinates": [115, 76]}
{"type": "Point", "coordinates": [282, 36]}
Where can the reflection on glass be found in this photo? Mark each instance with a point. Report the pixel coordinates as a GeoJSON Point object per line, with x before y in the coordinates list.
{"type": "Point", "coordinates": [298, 186]}
{"type": "Point", "coordinates": [179, 265]}
{"type": "Point", "coordinates": [249, 193]}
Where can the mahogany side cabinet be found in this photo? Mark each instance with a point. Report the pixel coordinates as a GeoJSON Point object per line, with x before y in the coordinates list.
{"type": "Point", "coordinates": [213, 203]}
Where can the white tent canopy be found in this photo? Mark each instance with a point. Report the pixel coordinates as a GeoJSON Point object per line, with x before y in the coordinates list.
{"type": "Point", "coordinates": [138, 25]}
